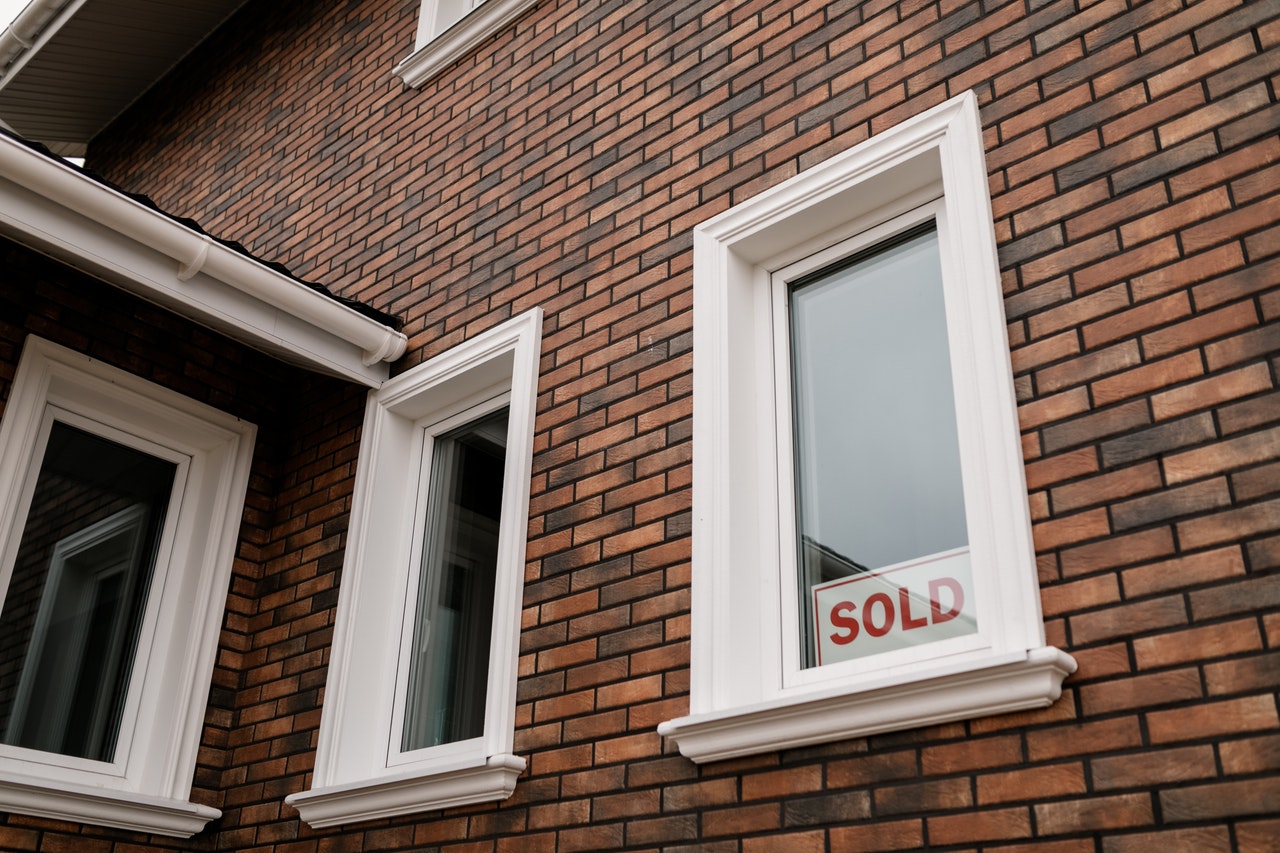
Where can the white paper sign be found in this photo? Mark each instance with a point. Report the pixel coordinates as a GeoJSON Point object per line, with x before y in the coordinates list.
{"type": "Point", "coordinates": [895, 607]}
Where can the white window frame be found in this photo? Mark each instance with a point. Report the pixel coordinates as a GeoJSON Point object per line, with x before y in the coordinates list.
{"type": "Point", "coordinates": [147, 786]}
{"type": "Point", "coordinates": [748, 692]}
{"type": "Point", "coordinates": [360, 771]}
{"type": "Point", "coordinates": [449, 29]}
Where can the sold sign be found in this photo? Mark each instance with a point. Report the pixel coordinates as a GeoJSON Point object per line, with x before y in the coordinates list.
{"type": "Point", "coordinates": [895, 607]}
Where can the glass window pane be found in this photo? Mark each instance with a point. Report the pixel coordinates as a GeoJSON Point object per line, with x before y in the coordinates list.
{"type": "Point", "coordinates": [74, 606]}
{"type": "Point", "coordinates": [449, 663]}
{"type": "Point", "coordinates": [877, 454]}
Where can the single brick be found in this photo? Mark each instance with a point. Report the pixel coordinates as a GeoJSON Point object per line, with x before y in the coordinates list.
{"type": "Point", "coordinates": [792, 842]}
{"type": "Point", "coordinates": [1240, 596]}
{"type": "Point", "coordinates": [1222, 456]}
{"type": "Point", "coordinates": [1117, 551]}
{"type": "Point", "coordinates": [1256, 482]}
{"type": "Point", "coordinates": [1199, 642]}
{"type": "Point", "coordinates": [1123, 419]}
{"type": "Point", "coordinates": [879, 836]}
{"type": "Point", "coordinates": [1088, 592]}
{"type": "Point", "coordinates": [1088, 738]}
{"type": "Point", "coordinates": [970, 754]}
{"type": "Point", "coordinates": [1064, 466]}
{"type": "Point", "coordinates": [841, 807]}
{"type": "Point", "coordinates": [1215, 839]}
{"type": "Point", "coordinates": [1129, 619]}
{"type": "Point", "coordinates": [1230, 525]}
{"type": "Point", "coordinates": [1106, 487]}
{"type": "Point", "coordinates": [1211, 391]}
{"type": "Point", "coordinates": [1225, 717]}
{"type": "Point", "coordinates": [1070, 530]}
{"type": "Point", "coordinates": [1219, 800]}
{"type": "Point", "coordinates": [1146, 443]}
{"type": "Point", "coordinates": [1258, 836]}
{"type": "Point", "coordinates": [1153, 767]}
{"type": "Point", "coordinates": [1191, 570]}
{"type": "Point", "coordinates": [1094, 813]}
{"type": "Point", "coordinates": [1250, 755]}
{"type": "Point", "coordinates": [1240, 675]}
{"type": "Point", "coordinates": [1171, 503]}
{"type": "Point", "coordinates": [1144, 691]}
{"type": "Point", "coordinates": [932, 796]}
{"type": "Point", "coordinates": [1031, 783]}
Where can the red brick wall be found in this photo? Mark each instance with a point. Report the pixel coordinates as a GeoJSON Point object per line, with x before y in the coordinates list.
{"type": "Point", "coordinates": [1132, 150]}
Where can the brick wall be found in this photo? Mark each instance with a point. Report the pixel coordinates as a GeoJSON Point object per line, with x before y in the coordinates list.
{"type": "Point", "coordinates": [1132, 150]}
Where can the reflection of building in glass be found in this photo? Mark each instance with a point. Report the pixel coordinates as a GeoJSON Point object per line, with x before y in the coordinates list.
{"type": "Point", "coordinates": [86, 557]}
{"type": "Point", "coordinates": [826, 564]}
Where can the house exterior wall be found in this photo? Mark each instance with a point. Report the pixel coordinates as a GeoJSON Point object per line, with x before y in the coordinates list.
{"type": "Point", "coordinates": [293, 412]}
{"type": "Point", "coordinates": [1132, 154]}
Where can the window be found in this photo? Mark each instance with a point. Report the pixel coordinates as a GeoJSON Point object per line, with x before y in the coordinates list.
{"type": "Point", "coordinates": [878, 490]}
{"type": "Point", "coordinates": [85, 559]}
{"type": "Point", "coordinates": [119, 517]}
{"type": "Point", "coordinates": [423, 717]}
{"type": "Point", "coordinates": [854, 411]}
{"type": "Point", "coordinates": [448, 656]}
{"type": "Point", "coordinates": [449, 29]}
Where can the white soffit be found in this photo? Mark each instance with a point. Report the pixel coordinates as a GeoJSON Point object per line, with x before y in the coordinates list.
{"type": "Point", "coordinates": [54, 208]}
{"type": "Point", "coordinates": [69, 67]}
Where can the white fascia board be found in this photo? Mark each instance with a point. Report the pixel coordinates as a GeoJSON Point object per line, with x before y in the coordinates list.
{"type": "Point", "coordinates": [57, 210]}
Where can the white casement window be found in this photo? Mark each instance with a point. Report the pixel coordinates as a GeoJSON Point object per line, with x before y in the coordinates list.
{"type": "Point", "coordinates": [120, 508]}
{"type": "Point", "coordinates": [449, 29]}
{"type": "Point", "coordinates": [862, 557]}
{"type": "Point", "coordinates": [419, 708]}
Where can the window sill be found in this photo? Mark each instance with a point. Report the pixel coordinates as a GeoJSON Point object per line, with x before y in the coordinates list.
{"type": "Point", "coordinates": [405, 794]}
{"type": "Point", "coordinates": [433, 56]}
{"type": "Point", "coordinates": [1031, 681]}
{"type": "Point", "coordinates": [103, 806]}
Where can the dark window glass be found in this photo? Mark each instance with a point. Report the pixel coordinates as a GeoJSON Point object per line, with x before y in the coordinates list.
{"type": "Point", "coordinates": [76, 597]}
{"type": "Point", "coordinates": [449, 663]}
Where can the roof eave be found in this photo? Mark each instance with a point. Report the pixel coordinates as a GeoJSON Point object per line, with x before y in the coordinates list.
{"type": "Point", "coordinates": [56, 209]}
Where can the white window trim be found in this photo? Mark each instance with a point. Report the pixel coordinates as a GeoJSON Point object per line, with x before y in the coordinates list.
{"type": "Point", "coordinates": [148, 785]}
{"type": "Point", "coordinates": [439, 46]}
{"type": "Point", "coordinates": [360, 773]}
{"type": "Point", "coordinates": [748, 695]}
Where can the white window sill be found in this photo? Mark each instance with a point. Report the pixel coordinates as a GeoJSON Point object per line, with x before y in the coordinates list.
{"type": "Point", "coordinates": [408, 793]}
{"type": "Point", "coordinates": [432, 55]}
{"type": "Point", "coordinates": [103, 806]}
{"type": "Point", "coordinates": [1002, 685]}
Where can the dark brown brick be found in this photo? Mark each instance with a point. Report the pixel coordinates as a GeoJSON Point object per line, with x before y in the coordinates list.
{"type": "Point", "coordinates": [1091, 814]}
{"type": "Point", "coordinates": [1224, 799]}
{"type": "Point", "coordinates": [1158, 766]}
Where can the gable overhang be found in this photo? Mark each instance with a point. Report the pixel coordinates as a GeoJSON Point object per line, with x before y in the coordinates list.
{"type": "Point", "coordinates": [56, 209]}
{"type": "Point", "coordinates": [70, 67]}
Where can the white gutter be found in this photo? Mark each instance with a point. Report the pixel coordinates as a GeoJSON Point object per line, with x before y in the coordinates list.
{"type": "Point", "coordinates": [22, 33]}
{"type": "Point", "coordinates": [49, 205]}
